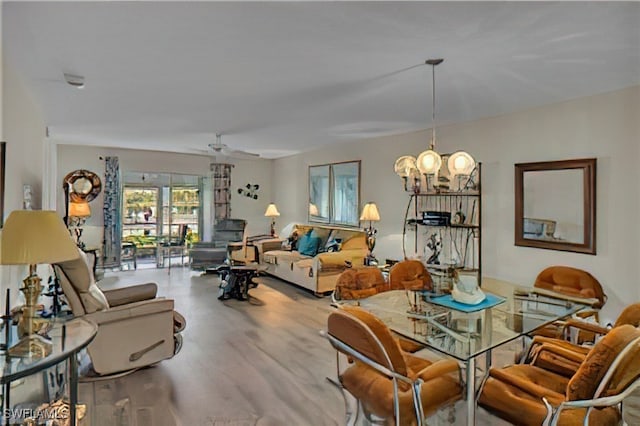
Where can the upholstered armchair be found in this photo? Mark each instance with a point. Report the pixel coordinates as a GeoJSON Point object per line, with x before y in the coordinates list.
{"type": "Point", "coordinates": [529, 395]}
{"type": "Point", "coordinates": [135, 328]}
{"type": "Point", "coordinates": [357, 283]}
{"type": "Point", "coordinates": [563, 357]}
{"type": "Point", "coordinates": [362, 282]}
{"type": "Point", "coordinates": [388, 382]}
{"type": "Point", "coordinates": [410, 275]}
{"type": "Point", "coordinates": [572, 282]}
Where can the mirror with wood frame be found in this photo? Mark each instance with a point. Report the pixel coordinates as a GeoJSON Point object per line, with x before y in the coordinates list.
{"type": "Point", "coordinates": [555, 205]}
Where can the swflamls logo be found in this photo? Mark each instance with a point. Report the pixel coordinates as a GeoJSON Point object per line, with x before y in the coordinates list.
{"type": "Point", "coordinates": [38, 414]}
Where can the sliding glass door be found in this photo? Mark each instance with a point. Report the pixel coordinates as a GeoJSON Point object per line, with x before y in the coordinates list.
{"type": "Point", "coordinates": [161, 210]}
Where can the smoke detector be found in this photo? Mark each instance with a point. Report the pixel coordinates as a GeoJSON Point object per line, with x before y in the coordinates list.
{"type": "Point", "coordinates": [76, 81]}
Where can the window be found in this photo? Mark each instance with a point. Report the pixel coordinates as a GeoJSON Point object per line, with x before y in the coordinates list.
{"type": "Point", "coordinates": [334, 193]}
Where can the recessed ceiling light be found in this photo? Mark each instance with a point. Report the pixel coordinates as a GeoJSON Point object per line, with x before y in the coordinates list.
{"type": "Point", "coordinates": [76, 81]}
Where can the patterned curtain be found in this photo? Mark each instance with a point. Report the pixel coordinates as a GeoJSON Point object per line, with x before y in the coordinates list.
{"type": "Point", "coordinates": [221, 174]}
{"type": "Point", "coordinates": [112, 223]}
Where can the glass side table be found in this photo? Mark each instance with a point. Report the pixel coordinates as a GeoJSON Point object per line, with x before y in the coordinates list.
{"type": "Point", "coordinates": [67, 339]}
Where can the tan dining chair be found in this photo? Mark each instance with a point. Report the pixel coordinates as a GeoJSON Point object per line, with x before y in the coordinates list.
{"type": "Point", "coordinates": [365, 281]}
{"type": "Point", "coordinates": [563, 357]}
{"type": "Point", "coordinates": [387, 382]}
{"type": "Point", "coordinates": [529, 395]}
{"type": "Point", "coordinates": [410, 275]}
{"type": "Point", "coordinates": [573, 282]}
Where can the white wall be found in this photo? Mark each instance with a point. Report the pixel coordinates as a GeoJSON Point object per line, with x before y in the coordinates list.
{"type": "Point", "coordinates": [23, 129]}
{"type": "Point", "coordinates": [604, 126]}
{"type": "Point", "coordinates": [72, 157]}
{"type": "Point", "coordinates": [1, 67]}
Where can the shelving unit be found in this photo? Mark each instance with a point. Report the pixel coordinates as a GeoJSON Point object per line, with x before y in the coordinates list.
{"type": "Point", "coordinates": [445, 227]}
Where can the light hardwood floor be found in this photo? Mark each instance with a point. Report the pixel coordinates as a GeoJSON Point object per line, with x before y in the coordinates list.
{"type": "Point", "coordinates": [260, 362]}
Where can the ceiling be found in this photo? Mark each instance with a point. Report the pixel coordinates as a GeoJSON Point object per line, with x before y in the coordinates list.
{"type": "Point", "coordinates": [282, 78]}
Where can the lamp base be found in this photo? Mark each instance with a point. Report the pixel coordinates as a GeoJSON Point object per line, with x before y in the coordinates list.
{"type": "Point", "coordinates": [370, 260]}
{"type": "Point", "coordinates": [32, 346]}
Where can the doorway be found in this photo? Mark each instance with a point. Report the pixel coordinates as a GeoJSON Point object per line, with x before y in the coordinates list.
{"type": "Point", "coordinates": [162, 217]}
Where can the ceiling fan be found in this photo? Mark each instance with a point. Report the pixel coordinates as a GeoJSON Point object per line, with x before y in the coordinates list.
{"type": "Point", "coordinates": [220, 148]}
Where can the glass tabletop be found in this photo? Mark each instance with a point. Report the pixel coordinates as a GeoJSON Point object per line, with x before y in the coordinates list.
{"type": "Point", "coordinates": [460, 334]}
{"type": "Point", "coordinates": [67, 338]}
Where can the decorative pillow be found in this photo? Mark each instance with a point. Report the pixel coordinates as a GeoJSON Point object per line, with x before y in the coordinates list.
{"type": "Point", "coordinates": [309, 244]}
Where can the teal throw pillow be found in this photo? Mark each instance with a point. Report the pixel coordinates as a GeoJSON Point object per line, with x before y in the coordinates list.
{"type": "Point", "coordinates": [309, 244]}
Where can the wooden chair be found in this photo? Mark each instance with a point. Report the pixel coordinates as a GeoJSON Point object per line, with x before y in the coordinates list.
{"type": "Point", "coordinates": [529, 395]}
{"type": "Point", "coordinates": [388, 383]}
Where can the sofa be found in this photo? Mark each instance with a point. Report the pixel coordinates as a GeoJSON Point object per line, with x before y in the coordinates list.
{"type": "Point", "coordinates": [338, 249]}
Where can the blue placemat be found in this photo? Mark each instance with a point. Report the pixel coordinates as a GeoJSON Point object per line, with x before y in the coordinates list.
{"type": "Point", "coordinates": [448, 302]}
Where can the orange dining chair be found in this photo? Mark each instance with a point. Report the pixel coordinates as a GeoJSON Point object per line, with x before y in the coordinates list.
{"type": "Point", "coordinates": [387, 382]}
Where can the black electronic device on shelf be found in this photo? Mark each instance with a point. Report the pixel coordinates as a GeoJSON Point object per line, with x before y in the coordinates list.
{"type": "Point", "coordinates": [436, 218]}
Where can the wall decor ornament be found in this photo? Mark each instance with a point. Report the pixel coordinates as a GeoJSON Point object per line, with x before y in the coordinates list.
{"type": "Point", "coordinates": [250, 190]}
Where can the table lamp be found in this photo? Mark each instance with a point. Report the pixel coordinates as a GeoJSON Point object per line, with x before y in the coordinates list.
{"type": "Point", "coordinates": [31, 237]}
{"type": "Point", "coordinates": [79, 211]}
{"type": "Point", "coordinates": [272, 212]}
{"type": "Point", "coordinates": [370, 213]}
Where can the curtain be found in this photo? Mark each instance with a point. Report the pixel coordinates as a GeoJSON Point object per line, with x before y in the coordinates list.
{"type": "Point", "coordinates": [112, 223]}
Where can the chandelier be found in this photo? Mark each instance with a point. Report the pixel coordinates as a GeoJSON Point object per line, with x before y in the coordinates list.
{"type": "Point", "coordinates": [429, 163]}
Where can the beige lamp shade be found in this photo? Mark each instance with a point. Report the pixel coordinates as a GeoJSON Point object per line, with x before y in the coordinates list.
{"type": "Point", "coordinates": [79, 209]}
{"type": "Point", "coordinates": [313, 210]}
{"type": "Point", "coordinates": [272, 211]}
{"type": "Point", "coordinates": [370, 212]}
{"type": "Point", "coordinates": [31, 237]}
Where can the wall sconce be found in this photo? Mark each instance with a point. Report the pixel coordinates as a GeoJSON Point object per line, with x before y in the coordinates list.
{"type": "Point", "coordinates": [429, 162]}
{"type": "Point", "coordinates": [272, 212]}
{"type": "Point", "coordinates": [370, 213]}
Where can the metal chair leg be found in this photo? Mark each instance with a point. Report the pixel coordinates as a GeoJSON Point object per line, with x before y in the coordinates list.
{"type": "Point", "coordinates": [350, 417]}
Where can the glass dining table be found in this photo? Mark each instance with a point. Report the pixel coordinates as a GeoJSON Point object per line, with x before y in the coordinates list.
{"type": "Point", "coordinates": [465, 332]}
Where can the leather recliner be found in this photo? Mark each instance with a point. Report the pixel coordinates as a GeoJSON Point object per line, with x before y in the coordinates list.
{"type": "Point", "coordinates": [135, 328]}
